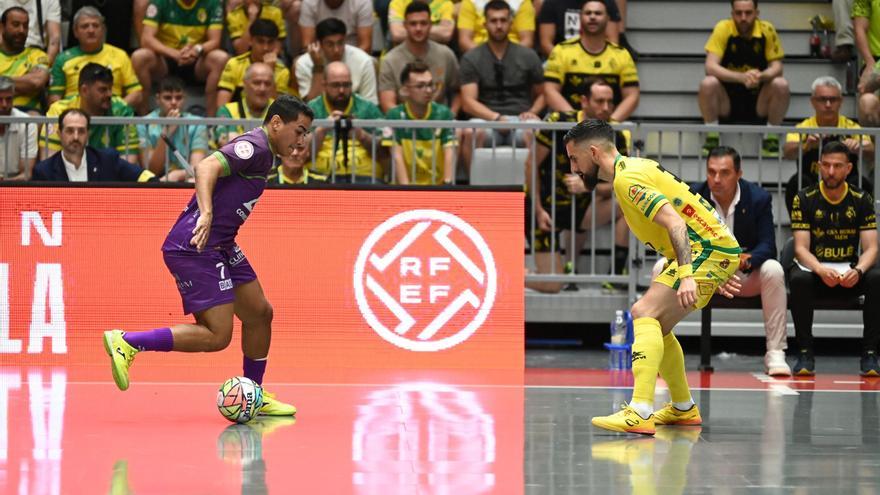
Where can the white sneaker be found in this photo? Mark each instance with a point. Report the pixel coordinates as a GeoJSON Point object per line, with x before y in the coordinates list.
{"type": "Point", "coordinates": [775, 365]}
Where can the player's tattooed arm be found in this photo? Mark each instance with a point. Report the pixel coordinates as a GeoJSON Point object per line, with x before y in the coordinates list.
{"type": "Point", "coordinates": [679, 238]}
{"type": "Point", "coordinates": [669, 219]}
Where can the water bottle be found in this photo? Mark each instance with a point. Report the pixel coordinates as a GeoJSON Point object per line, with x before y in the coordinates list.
{"type": "Point", "coordinates": [815, 39]}
{"type": "Point", "coordinates": [618, 329]}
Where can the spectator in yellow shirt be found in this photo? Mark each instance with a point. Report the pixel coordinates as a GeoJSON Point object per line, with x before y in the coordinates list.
{"type": "Point", "coordinates": [472, 20]}
{"type": "Point", "coordinates": [26, 66]}
{"type": "Point", "coordinates": [442, 20]}
{"type": "Point", "coordinates": [264, 48]}
{"type": "Point", "coordinates": [240, 19]}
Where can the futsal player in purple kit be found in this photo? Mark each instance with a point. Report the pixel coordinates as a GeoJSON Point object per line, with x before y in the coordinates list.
{"type": "Point", "coordinates": [212, 274]}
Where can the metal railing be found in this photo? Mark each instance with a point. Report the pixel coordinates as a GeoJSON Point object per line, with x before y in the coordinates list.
{"type": "Point", "coordinates": [677, 146]}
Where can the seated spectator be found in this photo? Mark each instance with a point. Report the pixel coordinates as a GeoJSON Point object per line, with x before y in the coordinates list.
{"type": "Point", "coordinates": [418, 48]}
{"type": "Point", "coordinates": [46, 35]}
{"type": "Point", "coordinates": [264, 48]}
{"type": "Point", "coordinates": [240, 19]}
{"type": "Point", "coordinates": [259, 93]}
{"type": "Point", "coordinates": [79, 162]}
{"type": "Point", "coordinates": [747, 210]}
{"type": "Point", "coordinates": [27, 67]}
{"type": "Point", "coordinates": [597, 102]}
{"type": "Point", "coordinates": [420, 160]}
{"type": "Point", "coordinates": [331, 47]}
{"type": "Point", "coordinates": [18, 142]}
{"type": "Point", "coordinates": [502, 81]}
{"type": "Point", "coordinates": [190, 140]}
{"type": "Point", "coordinates": [357, 15]}
{"type": "Point", "coordinates": [831, 222]}
{"type": "Point", "coordinates": [293, 171]}
{"type": "Point", "coordinates": [472, 24]}
{"type": "Point", "coordinates": [442, 20]}
{"type": "Point", "coordinates": [346, 152]}
{"type": "Point", "coordinates": [95, 98]}
{"type": "Point", "coordinates": [559, 20]}
{"type": "Point", "coordinates": [593, 56]}
{"type": "Point", "coordinates": [826, 99]}
{"type": "Point", "coordinates": [88, 27]}
{"type": "Point", "coordinates": [118, 32]}
{"type": "Point", "coordinates": [744, 82]}
{"type": "Point", "coordinates": [182, 37]}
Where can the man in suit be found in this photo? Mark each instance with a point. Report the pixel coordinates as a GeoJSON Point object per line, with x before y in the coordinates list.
{"type": "Point", "coordinates": [77, 162]}
{"type": "Point", "coordinates": [746, 208]}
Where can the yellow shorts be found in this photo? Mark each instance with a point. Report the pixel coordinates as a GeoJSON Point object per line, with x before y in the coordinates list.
{"type": "Point", "coordinates": [712, 267]}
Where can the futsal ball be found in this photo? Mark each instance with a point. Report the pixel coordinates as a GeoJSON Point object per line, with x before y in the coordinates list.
{"type": "Point", "coordinates": [239, 399]}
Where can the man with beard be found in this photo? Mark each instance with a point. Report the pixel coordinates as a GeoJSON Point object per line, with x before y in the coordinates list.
{"type": "Point", "coordinates": [78, 162]}
{"type": "Point", "coordinates": [591, 55]}
{"type": "Point", "coordinates": [744, 82]}
{"type": "Point", "coordinates": [89, 30]}
{"type": "Point", "coordinates": [27, 67]}
{"type": "Point", "coordinates": [345, 151]}
{"type": "Point", "coordinates": [702, 257]}
{"type": "Point", "coordinates": [259, 93]}
{"type": "Point", "coordinates": [826, 99]}
{"type": "Point", "coordinates": [331, 47]}
{"type": "Point", "coordinates": [829, 221]}
{"type": "Point", "coordinates": [95, 99]}
{"type": "Point", "coordinates": [502, 81]}
{"type": "Point", "coordinates": [597, 102]}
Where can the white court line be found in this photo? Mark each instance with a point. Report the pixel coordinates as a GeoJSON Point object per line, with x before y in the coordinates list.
{"type": "Point", "coordinates": [848, 382]}
{"type": "Point", "coordinates": [465, 385]}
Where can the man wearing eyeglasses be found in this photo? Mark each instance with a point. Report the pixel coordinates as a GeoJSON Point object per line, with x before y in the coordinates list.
{"type": "Point", "coordinates": [346, 152]}
{"type": "Point", "coordinates": [502, 81]}
{"type": "Point", "coordinates": [826, 99]}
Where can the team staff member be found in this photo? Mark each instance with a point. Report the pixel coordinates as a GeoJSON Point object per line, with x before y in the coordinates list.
{"type": "Point", "coordinates": [573, 62]}
{"type": "Point", "coordinates": [702, 258]}
{"type": "Point", "coordinates": [829, 221]}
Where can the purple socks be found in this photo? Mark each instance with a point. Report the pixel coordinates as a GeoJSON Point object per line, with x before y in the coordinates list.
{"type": "Point", "coordinates": [254, 369]}
{"type": "Point", "coordinates": [159, 339]}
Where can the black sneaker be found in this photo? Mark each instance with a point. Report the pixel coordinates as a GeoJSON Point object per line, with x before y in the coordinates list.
{"type": "Point", "coordinates": [806, 364]}
{"type": "Point", "coordinates": [869, 364]}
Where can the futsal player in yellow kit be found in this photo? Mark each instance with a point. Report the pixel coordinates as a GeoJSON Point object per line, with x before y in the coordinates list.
{"type": "Point", "coordinates": [702, 257]}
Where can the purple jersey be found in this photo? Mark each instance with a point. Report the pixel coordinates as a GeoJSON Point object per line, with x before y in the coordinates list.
{"type": "Point", "coordinates": [247, 161]}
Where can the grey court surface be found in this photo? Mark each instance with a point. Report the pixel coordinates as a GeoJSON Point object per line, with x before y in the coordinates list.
{"type": "Point", "coordinates": [785, 439]}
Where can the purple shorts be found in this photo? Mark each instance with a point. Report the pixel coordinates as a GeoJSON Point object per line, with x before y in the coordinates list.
{"type": "Point", "coordinates": [209, 278]}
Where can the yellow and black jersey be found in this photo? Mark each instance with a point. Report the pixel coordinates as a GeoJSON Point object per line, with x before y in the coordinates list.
{"type": "Point", "coordinates": [554, 141]}
{"type": "Point", "coordinates": [643, 186]}
{"type": "Point", "coordinates": [810, 158]}
{"type": "Point", "coordinates": [834, 227]}
{"type": "Point", "coordinates": [741, 55]}
{"type": "Point", "coordinates": [571, 66]}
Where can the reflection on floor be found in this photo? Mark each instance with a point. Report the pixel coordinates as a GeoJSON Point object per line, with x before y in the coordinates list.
{"type": "Point", "coordinates": [63, 434]}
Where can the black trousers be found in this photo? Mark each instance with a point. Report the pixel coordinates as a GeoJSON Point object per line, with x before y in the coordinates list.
{"type": "Point", "coordinates": [806, 287]}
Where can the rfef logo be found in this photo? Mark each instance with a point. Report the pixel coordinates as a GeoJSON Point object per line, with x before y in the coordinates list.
{"type": "Point", "coordinates": [425, 280]}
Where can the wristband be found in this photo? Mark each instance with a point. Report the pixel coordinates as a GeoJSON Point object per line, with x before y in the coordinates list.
{"type": "Point", "coordinates": [859, 271]}
{"type": "Point", "coordinates": [685, 271]}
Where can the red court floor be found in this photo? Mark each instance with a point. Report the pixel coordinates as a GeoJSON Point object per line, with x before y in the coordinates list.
{"type": "Point", "coordinates": [70, 431]}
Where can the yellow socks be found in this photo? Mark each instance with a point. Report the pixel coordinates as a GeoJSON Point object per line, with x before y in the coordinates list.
{"type": "Point", "coordinates": [672, 371]}
{"type": "Point", "coordinates": [647, 354]}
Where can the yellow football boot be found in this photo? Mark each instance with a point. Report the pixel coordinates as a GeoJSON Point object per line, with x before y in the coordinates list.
{"type": "Point", "coordinates": [273, 407]}
{"type": "Point", "coordinates": [627, 420]}
{"type": "Point", "coordinates": [121, 356]}
{"type": "Point", "coordinates": [669, 415]}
